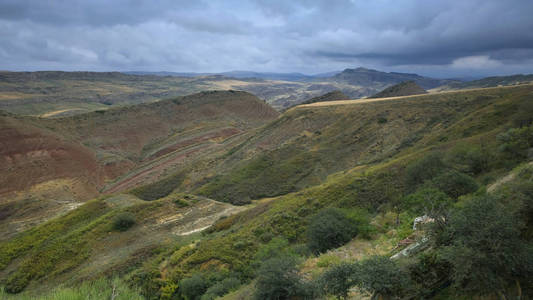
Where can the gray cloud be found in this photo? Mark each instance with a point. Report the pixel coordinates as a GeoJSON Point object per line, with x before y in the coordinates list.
{"type": "Point", "coordinates": [441, 38]}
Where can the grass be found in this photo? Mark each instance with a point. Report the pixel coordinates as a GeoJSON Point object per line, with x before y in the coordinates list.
{"type": "Point", "coordinates": [378, 187]}
{"type": "Point", "coordinates": [306, 145]}
{"type": "Point", "coordinates": [98, 289]}
{"type": "Point", "coordinates": [368, 171]}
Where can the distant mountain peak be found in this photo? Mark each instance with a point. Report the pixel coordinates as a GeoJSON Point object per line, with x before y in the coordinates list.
{"type": "Point", "coordinates": [358, 69]}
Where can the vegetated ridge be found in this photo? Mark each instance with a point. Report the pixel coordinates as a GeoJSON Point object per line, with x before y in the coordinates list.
{"type": "Point", "coordinates": [375, 165]}
{"type": "Point", "coordinates": [331, 96]}
{"type": "Point", "coordinates": [406, 88]}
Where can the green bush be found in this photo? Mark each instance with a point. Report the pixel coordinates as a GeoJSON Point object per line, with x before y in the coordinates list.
{"type": "Point", "coordinates": [339, 279]}
{"type": "Point", "coordinates": [424, 169]}
{"type": "Point", "coordinates": [123, 221]}
{"type": "Point", "coordinates": [159, 189]}
{"type": "Point", "coordinates": [426, 200]}
{"type": "Point", "coordinates": [455, 184]}
{"type": "Point", "coordinates": [194, 287]}
{"type": "Point", "coordinates": [221, 288]}
{"type": "Point", "coordinates": [277, 246]}
{"type": "Point", "coordinates": [278, 278]}
{"type": "Point", "coordinates": [383, 276]}
{"type": "Point", "coordinates": [428, 272]}
{"type": "Point", "coordinates": [485, 248]}
{"type": "Point", "coordinates": [516, 142]}
{"type": "Point", "coordinates": [472, 159]}
{"type": "Point", "coordinates": [328, 229]}
{"type": "Point", "coordinates": [148, 279]}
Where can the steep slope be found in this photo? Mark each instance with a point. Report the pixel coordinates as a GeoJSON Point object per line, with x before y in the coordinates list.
{"type": "Point", "coordinates": [377, 186]}
{"type": "Point", "coordinates": [31, 154]}
{"type": "Point", "coordinates": [308, 143]}
{"type": "Point", "coordinates": [42, 174]}
{"type": "Point", "coordinates": [359, 155]}
{"type": "Point", "coordinates": [53, 165]}
{"type": "Point", "coordinates": [406, 88]}
{"type": "Point", "coordinates": [373, 78]}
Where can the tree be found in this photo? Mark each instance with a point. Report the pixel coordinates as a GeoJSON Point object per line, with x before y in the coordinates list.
{"type": "Point", "coordinates": [382, 276]}
{"type": "Point", "coordinates": [485, 249]}
{"type": "Point", "coordinates": [339, 279]}
{"type": "Point", "coordinates": [278, 278]}
{"type": "Point", "coordinates": [328, 229]}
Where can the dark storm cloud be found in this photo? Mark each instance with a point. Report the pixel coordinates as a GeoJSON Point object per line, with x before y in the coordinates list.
{"type": "Point", "coordinates": [433, 37]}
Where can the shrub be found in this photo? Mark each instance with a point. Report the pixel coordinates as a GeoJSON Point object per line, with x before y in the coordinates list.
{"type": "Point", "coordinates": [455, 184]}
{"type": "Point", "coordinates": [485, 248]}
{"type": "Point", "coordinates": [469, 158]}
{"type": "Point", "coordinates": [328, 229]}
{"type": "Point", "coordinates": [123, 221]}
{"type": "Point", "coordinates": [276, 247]}
{"type": "Point", "coordinates": [383, 276]}
{"type": "Point", "coordinates": [339, 279]}
{"type": "Point", "coordinates": [424, 169]}
{"type": "Point", "coordinates": [221, 288]}
{"type": "Point", "coordinates": [159, 189]}
{"type": "Point", "coordinates": [427, 201]}
{"type": "Point", "coordinates": [194, 287]}
{"type": "Point", "coordinates": [361, 218]}
{"type": "Point", "coordinates": [278, 278]}
{"type": "Point", "coordinates": [428, 272]}
{"type": "Point", "coordinates": [516, 142]}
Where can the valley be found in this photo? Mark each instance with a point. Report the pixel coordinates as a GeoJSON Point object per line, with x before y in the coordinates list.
{"type": "Point", "coordinates": [53, 94]}
{"type": "Point", "coordinates": [214, 184]}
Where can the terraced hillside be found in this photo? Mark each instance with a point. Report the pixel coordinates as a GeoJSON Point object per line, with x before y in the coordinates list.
{"type": "Point", "coordinates": [76, 158]}
{"type": "Point", "coordinates": [376, 161]}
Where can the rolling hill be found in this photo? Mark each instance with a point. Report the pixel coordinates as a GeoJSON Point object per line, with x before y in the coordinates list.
{"type": "Point", "coordinates": [370, 158]}
{"type": "Point", "coordinates": [76, 158]}
{"type": "Point", "coordinates": [54, 94]}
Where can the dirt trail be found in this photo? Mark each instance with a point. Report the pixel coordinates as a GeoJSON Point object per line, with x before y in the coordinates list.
{"type": "Point", "coordinates": [368, 100]}
{"type": "Point", "coordinates": [498, 183]}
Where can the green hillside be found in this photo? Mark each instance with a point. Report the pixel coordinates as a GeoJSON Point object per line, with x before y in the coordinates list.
{"type": "Point", "coordinates": [462, 158]}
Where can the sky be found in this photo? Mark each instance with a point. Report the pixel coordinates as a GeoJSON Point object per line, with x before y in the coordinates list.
{"type": "Point", "coordinates": [454, 38]}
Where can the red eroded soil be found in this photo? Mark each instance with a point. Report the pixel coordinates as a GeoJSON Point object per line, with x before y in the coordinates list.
{"type": "Point", "coordinates": [31, 155]}
{"type": "Point", "coordinates": [223, 133]}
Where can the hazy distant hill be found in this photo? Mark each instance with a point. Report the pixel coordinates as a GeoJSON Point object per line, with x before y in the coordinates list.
{"type": "Point", "coordinates": [493, 81]}
{"type": "Point", "coordinates": [369, 77]}
{"type": "Point", "coordinates": [294, 76]}
{"type": "Point", "coordinates": [56, 94]}
{"type": "Point", "coordinates": [405, 88]}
